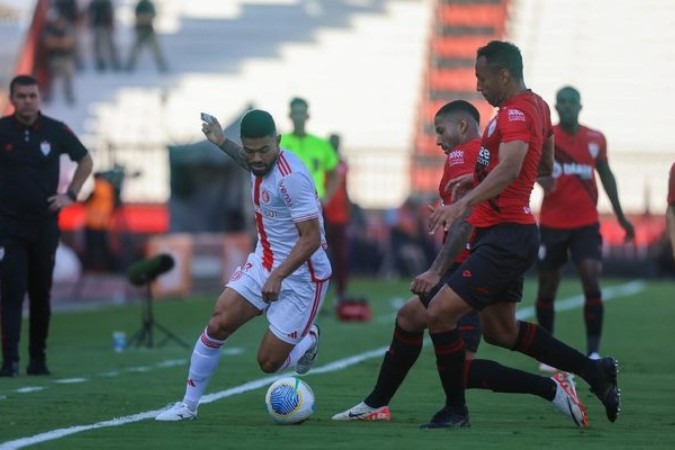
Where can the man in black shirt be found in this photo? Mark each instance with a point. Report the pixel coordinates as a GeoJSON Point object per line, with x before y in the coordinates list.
{"type": "Point", "coordinates": [30, 148]}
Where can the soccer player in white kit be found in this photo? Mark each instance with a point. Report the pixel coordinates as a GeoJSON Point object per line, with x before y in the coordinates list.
{"type": "Point", "coordinates": [286, 277]}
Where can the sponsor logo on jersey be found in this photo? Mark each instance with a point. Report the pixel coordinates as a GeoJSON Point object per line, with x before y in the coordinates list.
{"type": "Point", "coordinates": [583, 171]}
{"type": "Point", "coordinates": [557, 170]}
{"type": "Point", "coordinates": [293, 335]}
{"type": "Point", "coordinates": [593, 149]}
{"type": "Point", "coordinates": [456, 158]}
{"type": "Point", "coordinates": [45, 147]}
{"type": "Point", "coordinates": [285, 195]}
{"type": "Point", "coordinates": [515, 115]}
{"type": "Point", "coordinates": [483, 157]}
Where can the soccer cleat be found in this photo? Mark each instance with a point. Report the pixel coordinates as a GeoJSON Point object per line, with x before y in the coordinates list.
{"type": "Point", "coordinates": [594, 355]}
{"type": "Point", "coordinates": [364, 413]}
{"type": "Point", "coordinates": [567, 401]}
{"type": "Point", "coordinates": [606, 387]}
{"type": "Point", "coordinates": [9, 370]}
{"type": "Point", "coordinates": [449, 418]}
{"type": "Point", "coordinates": [546, 368]}
{"type": "Point", "coordinates": [177, 413]}
{"type": "Point", "coordinates": [306, 361]}
{"type": "Point", "coordinates": [37, 367]}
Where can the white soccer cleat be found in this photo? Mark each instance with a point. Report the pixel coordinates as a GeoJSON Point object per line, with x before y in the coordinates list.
{"type": "Point", "coordinates": [177, 413]}
{"type": "Point", "coordinates": [567, 401]}
{"type": "Point", "coordinates": [307, 360]}
{"type": "Point", "coordinates": [546, 368]}
{"type": "Point", "coordinates": [364, 413]}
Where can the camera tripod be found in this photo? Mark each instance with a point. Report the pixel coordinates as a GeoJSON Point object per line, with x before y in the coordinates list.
{"type": "Point", "coordinates": [144, 335]}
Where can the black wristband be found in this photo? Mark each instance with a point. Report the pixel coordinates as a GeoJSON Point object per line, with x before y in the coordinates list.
{"type": "Point", "coordinates": [71, 195]}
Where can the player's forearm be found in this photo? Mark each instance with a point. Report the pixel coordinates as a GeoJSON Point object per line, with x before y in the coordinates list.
{"type": "Point", "coordinates": [609, 183]}
{"type": "Point", "coordinates": [456, 240]}
{"type": "Point", "coordinates": [301, 252]}
{"type": "Point", "coordinates": [491, 186]}
{"type": "Point", "coordinates": [82, 172]}
{"type": "Point", "coordinates": [234, 151]}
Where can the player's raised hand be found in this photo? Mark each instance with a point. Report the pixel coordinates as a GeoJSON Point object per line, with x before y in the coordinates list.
{"type": "Point", "coordinates": [212, 129]}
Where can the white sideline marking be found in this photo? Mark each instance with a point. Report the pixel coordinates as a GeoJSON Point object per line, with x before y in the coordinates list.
{"type": "Point", "coordinates": [630, 288]}
{"type": "Point", "coordinates": [71, 380]}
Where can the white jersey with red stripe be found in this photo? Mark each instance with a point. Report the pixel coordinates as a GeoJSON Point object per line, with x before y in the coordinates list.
{"type": "Point", "coordinates": [283, 197]}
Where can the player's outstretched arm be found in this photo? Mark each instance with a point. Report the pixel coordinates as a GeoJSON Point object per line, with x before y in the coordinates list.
{"type": "Point", "coordinates": [214, 133]}
{"type": "Point", "coordinates": [609, 183]}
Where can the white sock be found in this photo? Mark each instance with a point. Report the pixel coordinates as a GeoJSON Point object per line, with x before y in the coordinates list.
{"type": "Point", "coordinates": [298, 351]}
{"type": "Point", "coordinates": [203, 364]}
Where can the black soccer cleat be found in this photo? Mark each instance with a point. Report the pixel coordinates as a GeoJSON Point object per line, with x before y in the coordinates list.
{"type": "Point", "coordinates": [449, 418]}
{"type": "Point", "coordinates": [37, 368]}
{"type": "Point", "coordinates": [606, 387]}
{"type": "Point", "coordinates": [9, 370]}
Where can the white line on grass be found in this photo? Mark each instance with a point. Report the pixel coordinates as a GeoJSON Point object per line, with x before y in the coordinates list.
{"type": "Point", "coordinates": [630, 288]}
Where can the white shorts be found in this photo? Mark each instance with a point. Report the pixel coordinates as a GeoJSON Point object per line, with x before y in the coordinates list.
{"type": "Point", "coordinates": [300, 299]}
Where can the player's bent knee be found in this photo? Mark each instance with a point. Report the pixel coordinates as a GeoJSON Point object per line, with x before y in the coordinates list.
{"type": "Point", "coordinates": [269, 365]}
{"type": "Point", "coordinates": [412, 316]}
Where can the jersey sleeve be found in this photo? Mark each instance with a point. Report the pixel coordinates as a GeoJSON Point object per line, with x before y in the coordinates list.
{"type": "Point", "coordinates": [602, 151]}
{"type": "Point", "coordinates": [299, 194]}
{"type": "Point", "coordinates": [71, 145]}
{"type": "Point", "coordinates": [514, 125]}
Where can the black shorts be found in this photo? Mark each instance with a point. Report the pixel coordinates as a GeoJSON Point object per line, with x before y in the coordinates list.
{"type": "Point", "coordinates": [500, 256]}
{"type": "Point", "coordinates": [556, 244]}
{"type": "Point", "coordinates": [469, 324]}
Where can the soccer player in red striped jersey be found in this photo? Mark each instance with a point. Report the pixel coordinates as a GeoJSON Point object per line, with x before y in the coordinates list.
{"type": "Point", "coordinates": [568, 222]}
{"type": "Point", "coordinates": [285, 278]}
{"type": "Point", "coordinates": [670, 212]}
{"type": "Point", "coordinates": [458, 135]}
{"type": "Point", "coordinates": [517, 147]}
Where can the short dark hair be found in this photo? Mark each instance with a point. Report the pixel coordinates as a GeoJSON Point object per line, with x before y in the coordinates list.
{"type": "Point", "coordinates": [297, 101]}
{"type": "Point", "coordinates": [503, 55]}
{"type": "Point", "coordinates": [22, 80]}
{"type": "Point", "coordinates": [456, 106]}
{"type": "Point", "coordinates": [257, 123]}
{"type": "Point", "coordinates": [571, 89]}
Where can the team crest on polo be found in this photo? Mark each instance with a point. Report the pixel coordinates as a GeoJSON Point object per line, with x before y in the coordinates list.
{"type": "Point", "coordinates": [593, 149]}
{"type": "Point", "coordinates": [45, 147]}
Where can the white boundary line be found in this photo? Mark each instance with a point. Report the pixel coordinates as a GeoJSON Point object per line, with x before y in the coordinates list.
{"type": "Point", "coordinates": [609, 293]}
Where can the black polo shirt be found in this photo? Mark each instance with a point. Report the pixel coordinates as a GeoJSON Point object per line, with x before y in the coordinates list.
{"type": "Point", "coordinates": [30, 163]}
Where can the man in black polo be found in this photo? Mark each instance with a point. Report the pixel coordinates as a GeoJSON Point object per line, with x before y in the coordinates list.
{"type": "Point", "coordinates": [30, 148]}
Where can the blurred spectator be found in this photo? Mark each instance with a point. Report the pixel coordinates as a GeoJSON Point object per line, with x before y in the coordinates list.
{"type": "Point", "coordinates": [336, 215]}
{"type": "Point", "coordinates": [102, 22]}
{"type": "Point", "coordinates": [411, 248]}
{"type": "Point", "coordinates": [58, 42]}
{"type": "Point", "coordinates": [317, 153]}
{"type": "Point", "coordinates": [145, 35]}
{"type": "Point", "coordinates": [99, 209]}
{"type": "Point", "coordinates": [670, 212]}
{"type": "Point", "coordinates": [70, 10]}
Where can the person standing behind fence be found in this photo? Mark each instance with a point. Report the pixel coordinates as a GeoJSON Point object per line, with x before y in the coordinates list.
{"type": "Point", "coordinates": [102, 22]}
{"type": "Point", "coordinates": [568, 221]}
{"type": "Point", "coordinates": [58, 41]}
{"type": "Point", "coordinates": [31, 147]}
{"type": "Point", "coordinates": [336, 214]}
{"type": "Point", "coordinates": [145, 14]}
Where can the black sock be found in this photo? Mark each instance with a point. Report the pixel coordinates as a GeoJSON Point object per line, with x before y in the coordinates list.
{"type": "Point", "coordinates": [593, 315]}
{"type": "Point", "coordinates": [545, 313]}
{"type": "Point", "coordinates": [486, 374]}
{"type": "Point", "coordinates": [450, 354]}
{"type": "Point", "coordinates": [403, 352]}
{"type": "Point", "coordinates": [534, 341]}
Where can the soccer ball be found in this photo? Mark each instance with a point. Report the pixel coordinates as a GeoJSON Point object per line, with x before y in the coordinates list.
{"type": "Point", "coordinates": [289, 400]}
